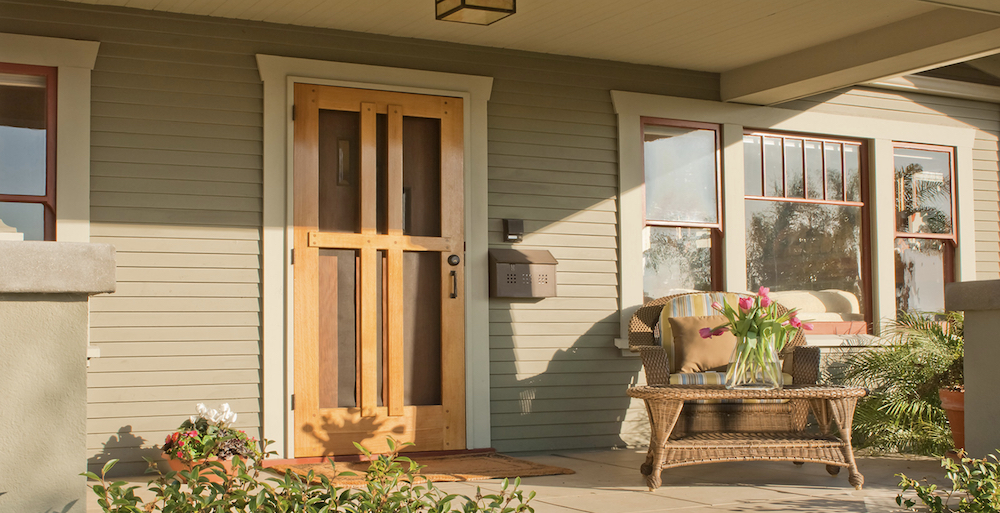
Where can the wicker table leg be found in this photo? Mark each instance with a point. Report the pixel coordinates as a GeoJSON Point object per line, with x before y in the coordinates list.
{"type": "Point", "coordinates": [647, 467]}
{"type": "Point", "coordinates": [663, 414]}
{"type": "Point", "coordinates": [843, 415]}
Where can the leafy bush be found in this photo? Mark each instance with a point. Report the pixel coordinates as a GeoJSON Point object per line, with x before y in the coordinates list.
{"type": "Point", "coordinates": [974, 484]}
{"type": "Point", "coordinates": [390, 487]}
{"type": "Point", "coordinates": [922, 353]}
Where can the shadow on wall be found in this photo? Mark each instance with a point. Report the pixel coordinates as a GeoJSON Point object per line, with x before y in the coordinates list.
{"type": "Point", "coordinates": [577, 399]}
{"type": "Point", "coordinates": [124, 442]}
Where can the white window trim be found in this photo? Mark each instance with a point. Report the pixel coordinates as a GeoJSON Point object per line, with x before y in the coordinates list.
{"type": "Point", "coordinates": [880, 134]}
{"type": "Point", "coordinates": [279, 74]}
{"type": "Point", "coordinates": [74, 60]}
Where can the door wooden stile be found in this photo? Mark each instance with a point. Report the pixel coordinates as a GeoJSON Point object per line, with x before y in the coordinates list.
{"type": "Point", "coordinates": [372, 359]}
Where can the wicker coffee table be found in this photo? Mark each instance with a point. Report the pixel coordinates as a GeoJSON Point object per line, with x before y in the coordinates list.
{"type": "Point", "coordinates": [664, 403]}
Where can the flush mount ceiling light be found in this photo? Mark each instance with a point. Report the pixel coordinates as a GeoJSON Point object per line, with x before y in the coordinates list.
{"type": "Point", "coordinates": [479, 12]}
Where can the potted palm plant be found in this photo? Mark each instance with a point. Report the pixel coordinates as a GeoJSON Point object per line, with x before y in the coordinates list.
{"type": "Point", "coordinates": [915, 370]}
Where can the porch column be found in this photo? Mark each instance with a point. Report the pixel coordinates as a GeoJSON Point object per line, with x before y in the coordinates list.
{"type": "Point", "coordinates": [44, 290]}
{"type": "Point", "coordinates": [980, 300]}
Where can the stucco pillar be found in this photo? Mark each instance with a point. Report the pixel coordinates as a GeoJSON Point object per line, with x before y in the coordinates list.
{"type": "Point", "coordinates": [44, 289]}
{"type": "Point", "coordinates": [980, 300]}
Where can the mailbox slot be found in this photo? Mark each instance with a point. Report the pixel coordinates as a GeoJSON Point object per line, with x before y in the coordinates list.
{"type": "Point", "coordinates": [522, 273]}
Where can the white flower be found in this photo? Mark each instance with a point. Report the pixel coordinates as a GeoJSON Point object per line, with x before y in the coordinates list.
{"type": "Point", "coordinates": [223, 418]}
{"type": "Point", "coordinates": [227, 416]}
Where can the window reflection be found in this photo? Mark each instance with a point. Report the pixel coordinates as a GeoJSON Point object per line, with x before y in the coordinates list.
{"type": "Point", "coordinates": [27, 199]}
{"type": "Point", "coordinates": [675, 260]}
{"type": "Point", "coordinates": [923, 191]}
{"type": "Point", "coordinates": [22, 134]}
{"type": "Point", "coordinates": [680, 174]}
{"type": "Point", "coordinates": [804, 246]}
{"type": "Point", "coordinates": [682, 207]}
{"type": "Point", "coordinates": [920, 271]}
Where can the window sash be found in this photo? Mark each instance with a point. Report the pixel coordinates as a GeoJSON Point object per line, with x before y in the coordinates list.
{"type": "Point", "coordinates": [867, 299]}
{"type": "Point", "coordinates": [48, 200]}
{"type": "Point", "coordinates": [716, 227]}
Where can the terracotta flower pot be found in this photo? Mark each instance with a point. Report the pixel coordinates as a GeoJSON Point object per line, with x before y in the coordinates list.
{"type": "Point", "coordinates": [178, 465]}
{"type": "Point", "coordinates": [953, 403]}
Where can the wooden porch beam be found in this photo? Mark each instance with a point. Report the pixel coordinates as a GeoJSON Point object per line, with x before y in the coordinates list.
{"type": "Point", "coordinates": [989, 65]}
{"type": "Point", "coordinates": [983, 6]}
{"type": "Point", "coordinates": [927, 41]}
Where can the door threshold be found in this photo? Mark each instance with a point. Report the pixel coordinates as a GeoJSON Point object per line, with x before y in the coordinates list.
{"type": "Point", "coordinates": [350, 458]}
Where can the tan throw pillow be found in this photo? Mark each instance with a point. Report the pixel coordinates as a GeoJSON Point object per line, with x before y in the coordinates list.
{"type": "Point", "coordinates": [696, 354]}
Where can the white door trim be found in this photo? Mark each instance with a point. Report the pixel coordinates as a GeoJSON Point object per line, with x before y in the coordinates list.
{"type": "Point", "coordinates": [278, 74]}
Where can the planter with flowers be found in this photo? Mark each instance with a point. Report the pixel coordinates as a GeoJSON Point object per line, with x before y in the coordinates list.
{"type": "Point", "coordinates": [206, 438]}
{"type": "Point", "coordinates": [761, 332]}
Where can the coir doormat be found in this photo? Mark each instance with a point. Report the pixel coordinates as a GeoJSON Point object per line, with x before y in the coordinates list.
{"type": "Point", "coordinates": [459, 467]}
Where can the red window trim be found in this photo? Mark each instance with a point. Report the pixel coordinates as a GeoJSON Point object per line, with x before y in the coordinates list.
{"type": "Point", "coordinates": [48, 201]}
{"type": "Point", "coordinates": [715, 228]}
{"type": "Point", "coordinates": [833, 327]}
{"type": "Point", "coordinates": [950, 151]}
{"type": "Point", "coordinates": [951, 238]}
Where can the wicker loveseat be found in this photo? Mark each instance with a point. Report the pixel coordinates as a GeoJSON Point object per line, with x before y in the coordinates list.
{"type": "Point", "coordinates": [800, 362]}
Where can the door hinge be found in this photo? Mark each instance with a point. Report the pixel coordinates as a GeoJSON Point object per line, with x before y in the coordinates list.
{"type": "Point", "coordinates": [293, 112]}
{"type": "Point", "coordinates": [293, 402]}
{"type": "Point", "coordinates": [293, 256]}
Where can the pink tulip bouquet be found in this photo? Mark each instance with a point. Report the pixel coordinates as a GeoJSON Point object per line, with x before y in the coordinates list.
{"type": "Point", "coordinates": [761, 333]}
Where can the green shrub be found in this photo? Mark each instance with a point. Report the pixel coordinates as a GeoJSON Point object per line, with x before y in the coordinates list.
{"type": "Point", "coordinates": [390, 487]}
{"type": "Point", "coordinates": [974, 485]}
{"type": "Point", "coordinates": [921, 353]}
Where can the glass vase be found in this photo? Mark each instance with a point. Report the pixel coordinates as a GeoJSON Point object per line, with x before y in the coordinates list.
{"type": "Point", "coordinates": [754, 364]}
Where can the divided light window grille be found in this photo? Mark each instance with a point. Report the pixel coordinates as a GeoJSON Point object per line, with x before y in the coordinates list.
{"type": "Point", "coordinates": [807, 222]}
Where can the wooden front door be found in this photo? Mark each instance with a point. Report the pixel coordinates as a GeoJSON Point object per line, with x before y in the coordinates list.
{"type": "Point", "coordinates": [378, 262]}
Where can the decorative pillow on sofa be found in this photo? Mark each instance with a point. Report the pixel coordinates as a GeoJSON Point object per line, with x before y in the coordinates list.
{"type": "Point", "coordinates": [695, 354]}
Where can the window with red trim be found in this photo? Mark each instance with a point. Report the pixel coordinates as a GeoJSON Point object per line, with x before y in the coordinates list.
{"type": "Point", "coordinates": [806, 226]}
{"type": "Point", "coordinates": [925, 225]}
{"type": "Point", "coordinates": [27, 149]}
{"type": "Point", "coordinates": [683, 209]}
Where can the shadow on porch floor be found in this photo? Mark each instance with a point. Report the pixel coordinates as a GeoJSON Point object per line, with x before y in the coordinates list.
{"type": "Point", "coordinates": [609, 481]}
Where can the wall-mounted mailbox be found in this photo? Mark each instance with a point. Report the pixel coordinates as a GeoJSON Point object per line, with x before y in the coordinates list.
{"type": "Point", "coordinates": [522, 273]}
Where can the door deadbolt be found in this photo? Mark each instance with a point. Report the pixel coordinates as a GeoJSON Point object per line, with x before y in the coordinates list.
{"type": "Point", "coordinates": [454, 260]}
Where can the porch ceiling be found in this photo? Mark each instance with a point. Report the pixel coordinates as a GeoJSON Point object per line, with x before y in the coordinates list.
{"type": "Point", "coordinates": [766, 51]}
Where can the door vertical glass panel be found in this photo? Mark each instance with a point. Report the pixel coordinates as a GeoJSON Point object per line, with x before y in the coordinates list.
{"type": "Point", "coordinates": [422, 328]}
{"type": "Point", "coordinates": [421, 176]}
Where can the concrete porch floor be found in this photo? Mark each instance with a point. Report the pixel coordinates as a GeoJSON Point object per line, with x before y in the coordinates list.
{"type": "Point", "coordinates": [609, 481]}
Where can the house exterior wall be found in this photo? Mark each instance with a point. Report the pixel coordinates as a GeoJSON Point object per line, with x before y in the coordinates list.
{"type": "Point", "coordinates": [176, 187]}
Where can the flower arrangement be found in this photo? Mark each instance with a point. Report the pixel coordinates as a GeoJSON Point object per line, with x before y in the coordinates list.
{"type": "Point", "coordinates": [210, 434]}
{"type": "Point", "coordinates": [761, 333]}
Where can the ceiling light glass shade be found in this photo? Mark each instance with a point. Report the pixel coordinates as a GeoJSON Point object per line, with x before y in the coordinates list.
{"type": "Point", "coordinates": [479, 12]}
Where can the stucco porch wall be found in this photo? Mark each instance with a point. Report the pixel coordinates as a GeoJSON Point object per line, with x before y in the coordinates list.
{"type": "Point", "coordinates": [176, 186]}
{"type": "Point", "coordinates": [44, 287]}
